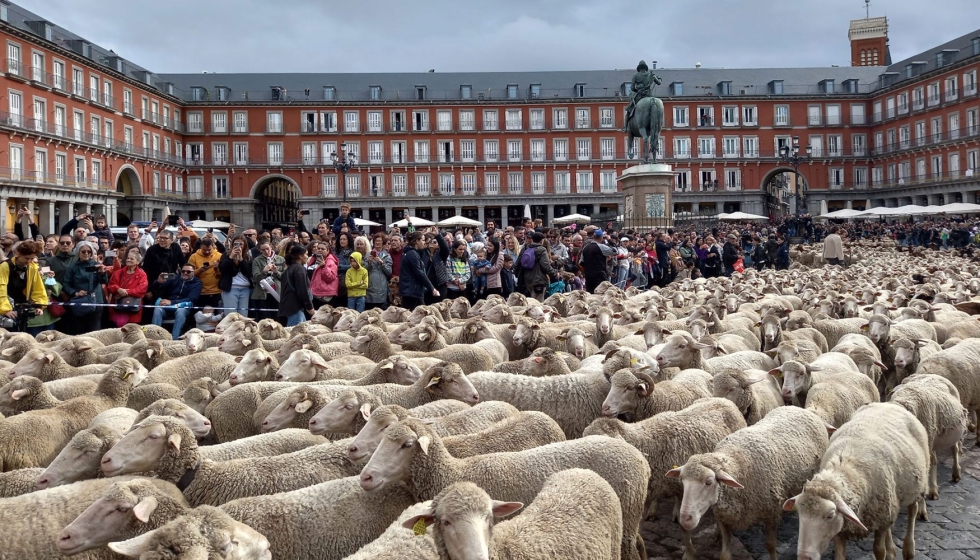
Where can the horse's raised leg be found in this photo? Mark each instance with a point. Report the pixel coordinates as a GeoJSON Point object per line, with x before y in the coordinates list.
{"type": "Point", "coordinates": [629, 146]}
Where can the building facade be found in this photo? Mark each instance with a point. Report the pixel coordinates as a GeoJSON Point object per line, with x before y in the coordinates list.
{"type": "Point", "coordinates": [86, 130]}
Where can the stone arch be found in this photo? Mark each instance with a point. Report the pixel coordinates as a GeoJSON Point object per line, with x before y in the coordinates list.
{"type": "Point", "coordinates": [276, 201]}
{"type": "Point", "coordinates": [777, 171]}
{"type": "Point", "coordinates": [128, 181]}
{"type": "Point", "coordinates": [266, 179]}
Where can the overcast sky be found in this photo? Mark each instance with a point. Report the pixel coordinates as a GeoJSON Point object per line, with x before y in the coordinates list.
{"type": "Point", "coordinates": [190, 36]}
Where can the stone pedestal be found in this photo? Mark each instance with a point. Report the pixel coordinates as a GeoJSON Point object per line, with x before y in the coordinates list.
{"type": "Point", "coordinates": [647, 196]}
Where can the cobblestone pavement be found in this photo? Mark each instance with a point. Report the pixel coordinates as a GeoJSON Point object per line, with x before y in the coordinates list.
{"type": "Point", "coordinates": [952, 532]}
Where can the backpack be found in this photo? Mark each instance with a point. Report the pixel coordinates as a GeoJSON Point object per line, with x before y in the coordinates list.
{"type": "Point", "coordinates": [528, 259]}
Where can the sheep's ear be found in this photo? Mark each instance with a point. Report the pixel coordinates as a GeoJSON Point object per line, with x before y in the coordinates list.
{"type": "Point", "coordinates": [561, 338]}
{"type": "Point", "coordinates": [427, 517]}
{"type": "Point", "coordinates": [771, 354]}
{"type": "Point", "coordinates": [424, 442]}
{"type": "Point", "coordinates": [790, 504]}
{"type": "Point", "coordinates": [49, 357]}
{"type": "Point", "coordinates": [667, 332]}
{"type": "Point", "coordinates": [174, 441]}
{"type": "Point", "coordinates": [610, 354]}
{"type": "Point", "coordinates": [674, 473]}
{"type": "Point", "coordinates": [643, 389]}
{"type": "Point", "coordinates": [756, 379]}
{"type": "Point", "coordinates": [318, 361]}
{"type": "Point", "coordinates": [702, 346]}
{"type": "Point", "coordinates": [433, 382]}
{"type": "Point", "coordinates": [830, 429]}
{"type": "Point", "coordinates": [7, 351]}
{"type": "Point", "coordinates": [881, 365]}
{"type": "Point", "coordinates": [727, 479]}
{"type": "Point", "coordinates": [865, 326]}
{"type": "Point", "coordinates": [145, 508]}
{"type": "Point", "coordinates": [640, 331]}
{"type": "Point", "coordinates": [366, 411]}
{"type": "Point", "coordinates": [849, 514]}
{"type": "Point", "coordinates": [238, 359]}
{"type": "Point", "coordinates": [246, 342]}
{"type": "Point", "coordinates": [503, 509]}
{"type": "Point", "coordinates": [134, 547]}
{"type": "Point", "coordinates": [758, 324]}
{"type": "Point", "coordinates": [920, 342]}
{"type": "Point", "coordinates": [19, 394]}
{"type": "Point", "coordinates": [83, 348]}
{"type": "Point", "coordinates": [388, 365]}
{"type": "Point", "coordinates": [423, 336]}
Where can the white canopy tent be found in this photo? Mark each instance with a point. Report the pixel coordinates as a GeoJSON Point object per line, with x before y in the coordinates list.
{"type": "Point", "coordinates": [572, 218]}
{"type": "Point", "coordinates": [202, 224]}
{"type": "Point", "coordinates": [843, 214]}
{"type": "Point", "coordinates": [741, 217]}
{"type": "Point", "coordinates": [415, 222]}
{"type": "Point", "coordinates": [961, 208]}
{"type": "Point", "coordinates": [459, 221]}
{"type": "Point", "coordinates": [362, 222]}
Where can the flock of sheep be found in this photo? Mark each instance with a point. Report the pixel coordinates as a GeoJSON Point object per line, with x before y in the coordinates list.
{"type": "Point", "coordinates": [389, 434]}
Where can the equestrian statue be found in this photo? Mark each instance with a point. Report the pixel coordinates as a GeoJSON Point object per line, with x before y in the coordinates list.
{"type": "Point", "coordinates": [644, 114]}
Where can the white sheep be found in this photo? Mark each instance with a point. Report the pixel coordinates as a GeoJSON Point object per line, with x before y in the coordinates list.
{"type": "Point", "coordinates": [47, 365]}
{"type": "Point", "coordinates": [875, 465]}
{"type": "Point", "coordinates": [255, 365]}
{"type": "Point", "coordinates": [754, 392]}
{"type": "Point", "coordinates": [959, 365]}
{"type": "Point", "coordinates": [399, 542]}
{"type": "Point", "coordinates": [907, 356]}
{"type": "Point", "coordinates": [744, 489]}
{"type": "Point", "coordinates": [682, 351]}
{"type": "Point", "coordinates": [262, 445]}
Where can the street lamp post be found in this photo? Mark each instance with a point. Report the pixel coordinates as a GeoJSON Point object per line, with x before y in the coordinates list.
{"type": "Point", "coordinates": [794, 158]}
{"type": "Point", "coordinates": [343, 162]}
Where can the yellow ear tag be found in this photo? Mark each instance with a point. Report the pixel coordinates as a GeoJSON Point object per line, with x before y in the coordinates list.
{"type": "Point", "coordinates": [633, 361]}
{"type": "Point", "coordinates": [127, 375]}
{"type": "Point", "coordinates": [676, 467]}
{"type": "Point", "coordinates": [419, 527]}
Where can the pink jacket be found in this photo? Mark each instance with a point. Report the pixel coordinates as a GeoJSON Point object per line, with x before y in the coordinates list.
{"type": "Point", "coordinates": [325, 282]}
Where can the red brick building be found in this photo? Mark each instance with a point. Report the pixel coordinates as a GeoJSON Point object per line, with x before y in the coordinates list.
{"type": "Point", "coordinates": [83, 129]}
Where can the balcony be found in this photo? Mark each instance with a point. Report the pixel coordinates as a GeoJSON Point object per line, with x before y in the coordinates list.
{"type": "Point", "coordinates": [56, 179]}
{"type": "Point", "coordinates": [969, 90]}
{"type": "Point", "coordinates": [933, 100]}
{"type": "Point", "coordinates": [950, 96]}
{"type": "Point", "coordinates": [15, 67]}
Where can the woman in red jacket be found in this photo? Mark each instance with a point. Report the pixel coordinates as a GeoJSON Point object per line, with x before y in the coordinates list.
{"type": "Point", "coordinates": [129, 281]}
{"type": "Point", "coordinates": [325, 281]}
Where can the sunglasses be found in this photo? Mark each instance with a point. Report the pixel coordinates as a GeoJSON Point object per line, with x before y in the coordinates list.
{"type": "Point", "coordinates": [64, 243]}
{"type": "Point", "coordinates": [187, 271]}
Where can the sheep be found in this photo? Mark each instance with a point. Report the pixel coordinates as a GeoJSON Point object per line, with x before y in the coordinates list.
{"type": "Point", "coordinates": [834, 329]}
{"type": "Point", "coordinates": [80, 459]}
{"type": "Point", "coordinates": [413, 454]}
{"type": "Point", "coordinates": [238, 343]}
{"type": "Point", "coordinates": [305, 365]}
{"type": "Point", "coordinates": [197, 340]}
{"type": "Point", "coordinates": [166, 446]}
{"type": "Point", "coordinates": [149, 393]}
{"type": "Point", "coordinates": [255, 365]}
{"type": "Point", "coordinates": [754, 392]}
{"type": "Point", "coordinates": [545, 367]}
{"type": "Point", "coordinates": [200, 393]}
{"type": "Point", "coordinates": [26, 393]}
{"type": "Point", "coordinates": [231, 411]}
{"type": "Point", "coordinates": [573, 400]}
{"type": "Point", "coordinates": [929, 398]}
{"type": "Point", "coordinates": [623, 358]}
{"type": "Point", "coordinates": [15, 346]}
{"type": "Point", "coordinates": [523, 430]}
{"type": "Point", "coordinates": [426, 338]}
{"type": "Point", "coordinates": [195, 421]}
{"type": "Point", "coordinates": [851, 342]}
{"type": "Point", "coordinates": [719, 345]}
{"type": "Point", "coordinates": [880, 328]}
{"type": "Point", "coordinates": [47, 365]}
{"type": "Point", "coordinates": [682, 351]}
{"type": "Point", "coordinates": [83, 351]}
{"type": "Point", "coordinates": [154, 353]}
{"type": "Point", "coordinates": [577, 342]}
{"type": "Point", "coordinates": [328, 351]}
{"type": "Point", "coordinates": [468, 421]}
{"type": "Point", "coordinates": [798, 378]}
{"type": "Point", "coordinates": [799, 350]}
{"type": "Point", "coordinates": [634, 396]}
{"type": "Point", "coordinates": [837, 397]}
{"type": "Point", "coordinates": [786, 447]}
{"type": "Point", "coordinates": [19, 482]}
{"type": "Point", "coordinates": [182, 370]}
{"type": "Point", "coordinates": [550, 527]}
{"type": "Point", "coordinates": [372, 343]}
{"type": "Point", "coordinates": [203, 532]}
{"type": "Point", "coordinates": [875, 464]}
{"type": "Point", "coordinates": [958, 365]}
{"type": "Point", "coordinates": [262, 445]}
{"type": "Point", "coordinates": [399, 542]}
{"type": "Point", "coordinates": [33, 439]}
{"type": "Point", "coordinates": [773, 333]}
{"type": "Point", "coordinates": [270, 329]}
{"type": "Point", "coordinates": [669, 438]}
{"type": "Point", "coordinates": [907, 356]}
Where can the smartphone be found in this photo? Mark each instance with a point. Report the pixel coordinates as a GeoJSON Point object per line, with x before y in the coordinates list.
{"type": "Point", "coordinates": [210, 230]}
{"type": "Point", "coordinates": [45, 270]}
{"type": "Point", "coordinates": [238, 244]}
{"type": "Point", "coordinates": [170, 276]}
{"type": "Point", "coordinates": [109, 258]}
{"type": "Point", "coordinates": [206, 265]}
{"type": "Point", "coordinates": [172, 220]}
{"type": "Point", "coordinates": [374, 253]}
{"type": "Point", "coordinates": [305, 212]}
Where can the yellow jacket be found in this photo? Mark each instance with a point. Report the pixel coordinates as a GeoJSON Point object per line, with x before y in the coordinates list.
{"type": "Point", "coordinates": [34, 291]}
{"type": "Point", "coordinates": [209, 277]}
{"type": "Point", "coordinates": [356, 279]}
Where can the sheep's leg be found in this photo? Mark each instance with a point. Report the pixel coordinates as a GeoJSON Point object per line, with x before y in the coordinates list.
{"type": "Point", "coordinates": [771, 539]}
{"type": "Point", "coordinates": [880, 548]}
{"type": "Point", "coordinates": [689, 552]}
{"type": "Point", "coordinates": [677, 510]}
{"type": "Point", "coordinates": [651, 510]}
{"type": "Point", "coordinates": [908, 543]}
{"type": "Point", "coordinates": [726, 541]}
{"type": "Point", "coordinates": [923, 511]}
{"type": "Point", "coordinates": [641, 547]}
{"type": "Point", "coordinates": [957, 449]}
{"type": "Point", "coordinates": [840, 548]}
{"type": "Point", "coordinates": [933, 477]}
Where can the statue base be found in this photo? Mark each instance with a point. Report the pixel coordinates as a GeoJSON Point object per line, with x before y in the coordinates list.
{"type": "Point", "coordinates": [647, 190]}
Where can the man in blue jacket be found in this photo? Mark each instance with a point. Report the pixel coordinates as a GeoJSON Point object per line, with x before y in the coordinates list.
{"type": "Point", "coordinates": [177, 297]}
{"type": "Point", "coordinates": [344, 218]}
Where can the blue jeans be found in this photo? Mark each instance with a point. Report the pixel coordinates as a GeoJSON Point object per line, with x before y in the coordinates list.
{"type": "Point", "coordinates": [180, 315]}
{"type": "Point", "coordinates": [355, 303]}
{"type": "Point", "coordinates": [295, 318]}
{"type": "Point", "coordinates": [236, 300]}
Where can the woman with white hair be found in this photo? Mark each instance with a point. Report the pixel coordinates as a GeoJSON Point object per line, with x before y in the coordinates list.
{"type": "Point", "coordinates": [83, 283]}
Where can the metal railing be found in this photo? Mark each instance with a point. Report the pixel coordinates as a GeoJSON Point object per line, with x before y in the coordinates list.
{"type": "Point", "coordinates": [928, 140]}
{"type": "Point", "coordinates": [55, 179]}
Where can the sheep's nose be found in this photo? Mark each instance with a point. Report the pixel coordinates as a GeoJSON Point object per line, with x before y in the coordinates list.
{"type": "Point", "coordinates": [207, 423]}
{"type": "Point", "coordinates": [313, 422]}
{"type": "Point", "coordinates": [43, 482]}
{"type": "Point", "coordinates": [475, 398]}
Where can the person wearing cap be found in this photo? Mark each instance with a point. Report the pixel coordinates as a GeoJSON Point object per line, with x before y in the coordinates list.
{"type": "Point", "coordinates": [593, 261]}
{"type": "Point", "coordinates": [730, 253]}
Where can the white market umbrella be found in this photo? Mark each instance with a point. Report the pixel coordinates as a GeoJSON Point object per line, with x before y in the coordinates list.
{"type": "Point", "coordinates": [572, 218]}
{"type": "Point", "coordinates": [961, 208]}
{"type": "Point", "coordinates": [363, 222]}
{"type": "Point", "coordinates": [843, 214]}
{"type": "Point", "coordinates": [742, 217]}
{"type": "Point", "coordinates": [415, 222]}
{"type": "Point", "coordinates": [527, 211]}
{"type": "Point", "coordinates": [459, 221]}
{"type": "Point", "coordinates": [203, 224]}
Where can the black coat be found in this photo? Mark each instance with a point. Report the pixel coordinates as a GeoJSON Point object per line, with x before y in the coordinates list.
{"type": "Point", "coordinates": [412, 280]}
{"type": "Point", "coordinates": [158, 260]}
{"type": "Point", "coordinates": [295, 291]}
{"type": "Point", "coordinates": [729, 254]}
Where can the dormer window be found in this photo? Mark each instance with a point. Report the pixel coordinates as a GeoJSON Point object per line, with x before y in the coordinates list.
{"type": "Point", "coordinates": [466, 92]}
{"type": "Point", "coordinates": [776, 87]}
{"type": "Point", "coordinates": [535, 91]}
{"type": "Point", "coordinates": [329, 93]}
{"type": "Point", "coordinates": [626, 89]}
{"type": "Point", "coordinates": [827, 86]}
{"type": "Point", "coordinates": [197, 93]}
{"type": "Point", "coordinates": [579, 90]}
{"type": "Point", "coordinates": [222, 93]}
{"type": "Point", "coordinates": [677, 89]}
{"type": "Point", "coordinates": [420, 93]}
{"type": "Point", "coordinates": [945, 57]}
{"type": "Point", "coordinates": [850, 86]}
{"type": "Point", "coordinates": [975, 43]}
{"type": "Point", "coordinates": [512, 91]}
{"type": "Point", "coordinates": [724, 88]}
{"type": "Point", "coordinates": [375, 93]}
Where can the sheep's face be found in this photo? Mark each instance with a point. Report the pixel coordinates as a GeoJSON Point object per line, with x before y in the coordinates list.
{"type": "Point", "coordinates": [678, 351]}
{"type": "Point", "coordinates": [141, 449]}
{"type": "Point", "coordinates": [625, 392]}
{"type": "Point", "coordinates": [194, 341]}
{"type": "Point", "coordinates": [698, 329]}
{"type": "Point", "coordinates": [198, 397]}
{"type": "Point", "coordinates": [283, 416]}
{"type": "Point", "coordinates": [538, 366]}
{"type": "Point", "coordinates": [17, 390]}
{"type": "Point", "coordinates": [363, 320]}
{"type": "Point", "coordinates": [122, 506]}
{"type": "Point", "coordinates": [391, 460]}
{"type": "Point", "coordinates": [785, 352]}
{"type": "Point", "coordinates": [340, 415]}
{"type": "Point", "coordinates": [447, 381]}
{"type": "Point", "coordinates": [32, 363]}
{"type": "Point", "coordinates": [525, 332]}
{"type": "Point", "coordinates": [345, 322]}
{"type": "Point", "coordinates": [78, 460]}
{"type": "Point", "coordinates": [878, 331]}
{"type": "Point", "coordinates": [253, 366]}
{"type": "Point", "coordinates": [476, 330]}
{"type": "Point", "coordinates": [202, 533]}
{"type": "Point", "coordinates": [301, 367]}
{"type": "Point", "coordinates": [821, 519]}
{"type": "Point", "coordinates": [236, 344]}
{"type": "Point", "coordinates": [405, 372]}
{"type": "Point", "coordinates": [653, 334]}
{"type": "Point", "coordinates": [904, 353]}
{"type": "Point", "coordinates": [270, 329]}
{"type": "Point", "coordinates": [194, 420]}
{"type": "Point", "coordinates": [295, 343]}
{"type": "Point", "coordinates": [604, 320]}
{"type": "Point", "coordinates": [796, 379]}
{"type": "Point", "coordinates": [702, 488]}
{"type": "Point", "coordinates": [394, 315]}
{"type": "Point", "coordinates": [370, 436]}
{"type": "Point", "coordinates": [499, 314]}
{"type": "Point", "coordinates": [576, 342]}
{"type": "Point", "coordinates": [459, 308]}
{"type": "Point", "coordinates": [771, 329]}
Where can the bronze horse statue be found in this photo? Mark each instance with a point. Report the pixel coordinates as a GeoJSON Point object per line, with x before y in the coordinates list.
{"type": "Point", "coordinates": [647, 122]}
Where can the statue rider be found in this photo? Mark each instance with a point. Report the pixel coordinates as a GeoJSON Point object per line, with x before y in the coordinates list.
{"type": "Point", "coordinates": [643, 82]}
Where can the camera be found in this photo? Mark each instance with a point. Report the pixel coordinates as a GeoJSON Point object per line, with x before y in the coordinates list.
{"type": "Point", "coordinates": [210, 230]}
{"type": "Point", "coordinates": [206, 265]}
{"type": "Point", "coordinates": [305, 212]}
{"type": "Point", "coordinates": [90, 268]}
{"type": "Point", "coordinates": [172, 220]}
{"type": "Point", "coordinates": [110, 258]}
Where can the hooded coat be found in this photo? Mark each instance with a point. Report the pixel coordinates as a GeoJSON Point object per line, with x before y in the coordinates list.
{"type": "Point", "coordinates": [356, 279]}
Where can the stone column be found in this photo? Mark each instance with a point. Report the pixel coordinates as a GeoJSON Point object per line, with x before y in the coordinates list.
{"type": "Point", "coordinates": [481, 216]}
{"type": "Point", "coordinates": [849, 204]}
{"type": "Point", "coordinates": [46, 218]}
{"type": "Point", "coordinates": [695, 207]}
{"type": "Point", "coordinates": [549, 214]}
{"type": "Point", "coordinates": [4, 225]}
{"type": "Point", "coordinates": [388, 216]}
{"type": "Point", "coordinates": [595, 209]}
{"type": "Point", "coordinates": [647, 197]}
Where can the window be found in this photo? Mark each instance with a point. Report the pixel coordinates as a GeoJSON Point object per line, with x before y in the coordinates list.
{"type": "Point", "coordinates": [353, 185]}
{"type": "Point", "coordinates": [537, 183]}
{"type": "Point", "coordinates": [682, 148]}
{"type": "Point", "coordinates": [730, 145]}
{"type": "Point", "coordinates": [903, 103]}
{"type": "Point", "coordinates": [352, 121]}
{"type": "Point", "coordinates": [127, 137]}
{"type": "Point", "coordinates": [374, 121]}
{"type": "Point", "coordinates": [706, 116]}
{"type": "Point", "coordinates": [513, 150]}
{"type": "Point", "coordinates": [559, 119]}
{"type": "Point", "coordinates": [40, 163]}
{"type": "Point", "coordinates": [607, 148]}
{"type": "Point", "coordinates": [467, 150]}
{"type": "Point", "coordinates": [877, 176]}
{"type": "Point", "coordinates": [933, 96]}
{"type": "Point", "coordinates": [537, 119]}
{"type": "Point", "coordinates": [582, 118]}
{"type": "Point", "coordinates": [77, 80]}
{"type": "Point", "coordinates": [954, 164]}
{"type": "Point", "coordinates": [491, 182]}
{"type": "Point", "coordinates": [813, 115]}
{"type": "Point", "coordinates": [307, 121]}
{"type": "Point", "coordinates": [950, 88]}
{"type": "Point", "coordinates": [677, 89]}
{"type": "Point", "coordinates": [682, 181]}
{"type": "Point", "coordinates": [918, 99]}
{"type": "Point", "coordinates": [107, 99]}
{"type": "Point", "coordinates": [156, 181]}
{"type": "Point", "coordinates": [751, 146]}
{"type": "Point", "coordinates": [583, 149]}
{"type": "Point", "coordinates": [733, 179]}
{"type": "Point", "coordinates": [562, 182]}
{"type": "Point", "coordinates": [937, 166]}
{"type": "Point", "coordinates": [729, 116]}
{"type": "Point", "coordinates": [860, 176]}
{"type": "Point", "coordinates": [936, 129]}
{"type": "Point", "coordinates": [816, 146]}
{"type": "Point", "coordinates": [444, 120]}
{"type": "Point", "coordinates": [607, 118]}
{"type": "Point", "coordinates": [920, 133]}
{"type": "Point", "coordinates": [240, 122]}
{"type": "Point", "coordinates": [375, 152]}
{"type": "Point", "coordinates": [445, 150]}
{"type": "Point", "coordinates": [954, 126]}
{"type": "Point", "coordinates": [467, 120]}
{"type": "Point", "coordinates": [490, 120]}
{"type": "Point", "coordinates": [81, 169]}
{"type": "Point", "coordinates": [60, 118]}
{"type": "Point", "coordinates": [375, 93]}
{"type": "Point", "coordinates": [447, 184]}
{"type": "Point", "coordinates": [877, 111]}
{"type": "Point", "coordinates": [423, 184]}
{"type": "Point", "coordinates": [420, 120]}
{"type": "Point", "coordinates": [421, 151]}
{"type": "Point", "coordinates": [97, 172]}
{"type": "Point", "coordinates": [241, 153]}
{"type": "Point", "coordinates": [37, 67]}
{"type": "Point", "coordinates": [60, 168]}
{"type": "Point", "coordinates": [58, 73]}
{"type": "Point", "coordinates": [781, 116]}
{"type": "Point", "coordinates": [329, 93]}
{"type": "Point", "coordinates": [708, 182]}
{"type": "Point", "coordinates": [560, 149]}
{"type": "Point", "coordinates": [607, 181]}
{"type": "Point", "coordinates": [399, 185]}
{"type": "Point", "coordinates": [328, 121]}
{"type": "Point", "coordinates": [274, 150]}
{"type": "Point", "coordinates": [398, 121]}
{"type": "Point", "coordinates": [836, 177]}
{"type": "Point", "coordinates": [93, 88]}
{"type": "Point", "coordinates": [514, 120]}
{"type": "Point", "coordinates": [219, 153]}
{"type": "Point", "coordinates": [274, 122]}
{"type": "Point", "coordinates": [95, 129]}
{"type": "Point", "coordinates": [750, 115]}
{"type": "Point", "coordinates": [706, 147]}
{"type": "Point", "coordinates": [857, 113]}
{"type": "Point", "coordinates": [195, 122]}
{"type": "Point", "coordinates": [858, 145]}
{"type": "Point", "coordinates": [833, 115]}
{"type": "Point", "coordinates": [490, 150]}
{"type": "Point", "coordinates": [920, 169]}
{"type": "Point", "coordinates": [537, 150]}
{"type": "Point", "coordinates": [583, 182]}
{"type": "Point", "coordinates": [468, 183]}
{"type": "Point", "coordinates": [309, 153]}
{"type": "Point", "coordinates": [835, 147]}
{"type": "Point", "coordinates": [465, 92]}
{"type": "Point", "coordinates": [511, 91]}
{"type": "Point", "coordinates": [973, 161]}
{"type": "Point", "coordinates": [972, 122]}
{"type": "Point", "coordinates": [219, 122]}
{"type": "Point", "coordinates": [535, 91]}
{"type": "Point", "coordinates": [515, 183]}
{"type": "Point", "coordinates": [681, 117]}
{"type": "Point", "coordinates": [890, 108]}
{"type": "Point", "coordinates": [970, 83]}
